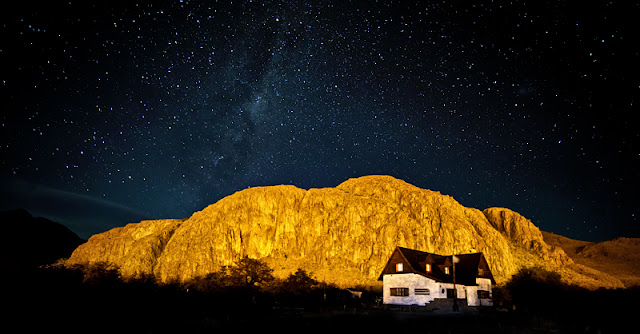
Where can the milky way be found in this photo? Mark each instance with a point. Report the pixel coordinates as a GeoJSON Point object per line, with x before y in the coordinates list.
{"type": "Point", "coordinates": [162, 108]}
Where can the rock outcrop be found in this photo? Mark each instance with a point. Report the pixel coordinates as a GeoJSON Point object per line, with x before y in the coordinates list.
{"type": "Point", "coordinates": [613, 260]}
{"type": "Point", "coordinates": [342, 235]}
{"type": "Point", "coordinates": [524, 233]}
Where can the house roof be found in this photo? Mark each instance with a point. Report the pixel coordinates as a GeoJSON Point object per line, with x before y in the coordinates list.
{"type": "Point", "coordinates": [466, 269]}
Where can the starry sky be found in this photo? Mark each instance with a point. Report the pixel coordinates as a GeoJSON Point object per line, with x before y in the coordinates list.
{"type": "Point", "coordinates": [112, 113]}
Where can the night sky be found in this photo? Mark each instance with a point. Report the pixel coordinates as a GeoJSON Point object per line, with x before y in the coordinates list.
{"type": "Point", "coordinates": [114, 113]}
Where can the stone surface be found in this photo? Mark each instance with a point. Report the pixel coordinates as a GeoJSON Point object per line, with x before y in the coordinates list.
{"type": "Point", "coordinates": [342, 235]}
{"type": "Point", "coordinates": [618, 258]}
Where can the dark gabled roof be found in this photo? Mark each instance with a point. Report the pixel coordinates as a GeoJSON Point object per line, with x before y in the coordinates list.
{"type": "Point", "coordinates": [466, 269]}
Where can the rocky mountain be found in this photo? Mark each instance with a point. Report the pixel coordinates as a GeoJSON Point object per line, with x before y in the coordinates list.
{"type": "Point", "coordinates": [619, 257]}
{"type": "Point", "coordinates": [342, 235]}
{"type": "Point", "coordinates": [29, 241]}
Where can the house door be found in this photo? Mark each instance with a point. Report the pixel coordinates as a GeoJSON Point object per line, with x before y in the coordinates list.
{"type": "Point", "coordinates": [450, 293]}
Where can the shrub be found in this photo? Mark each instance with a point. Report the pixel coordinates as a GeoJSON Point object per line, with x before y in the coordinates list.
{"type": "Point", "coordinates": [536, 289]}
{"type": "Point", "coordinates": [298, 283]}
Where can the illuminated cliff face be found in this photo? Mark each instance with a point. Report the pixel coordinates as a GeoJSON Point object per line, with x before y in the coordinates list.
{"type": "Point", "coordinates": [342, 235]}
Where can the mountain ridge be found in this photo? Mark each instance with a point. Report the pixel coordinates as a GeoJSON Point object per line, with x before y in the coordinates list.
{"type": "Point", "coordinates": [33, 241]}
{"type": "Point", "coordinates": [619, 257]}
{"type": "Point", "coordinates": [342, 235]}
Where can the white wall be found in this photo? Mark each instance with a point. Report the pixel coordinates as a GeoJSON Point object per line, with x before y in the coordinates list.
{"type": "Point", "coordinates": [472, 293]}
{"type": "Point", "coordinates": [415, 281]}
{"type": "Point", "coordinates": [411, 281]}
{"type": "Point", "coordinates": [485, 284]}
{"type": "Point", "coordinates": [472, 296]}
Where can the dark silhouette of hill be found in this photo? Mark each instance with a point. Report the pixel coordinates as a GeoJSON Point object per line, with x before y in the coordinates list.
{"type": "Point", "coordinates": [29, 241]}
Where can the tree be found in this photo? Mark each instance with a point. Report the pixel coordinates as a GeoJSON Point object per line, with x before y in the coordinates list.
{"type": "Point", "coordinates": [299, 282]}
{"type": "Point", "coordinates": [536, 289]}
{"type": "Point", "coordinates": [251, 272]}
{"type": "Point", "coordinates": [212, 282]}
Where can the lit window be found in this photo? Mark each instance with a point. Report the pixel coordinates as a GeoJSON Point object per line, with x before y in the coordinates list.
{"type": "Point", "coordinates": [428, 268]}
{"type": "Point", "coordinates": [480, 272]}
{"type": "Point", "coordinates": [399, 292]}
{"type": "Point", "coordinates": [399, 267]}
{"type": "Point", "coordinates": [446, 270]}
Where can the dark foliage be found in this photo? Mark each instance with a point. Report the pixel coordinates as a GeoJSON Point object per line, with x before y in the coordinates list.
{"type": "Point", "coordinates": [533, 289]}
{"type": "Point", "coordinates": [250, 273]}
{"type": "Point", "coordinates": [299, 283]}
{"type": "Point", "coordinates": [96, 299]}
{"type": "Point", "coordinates": [250, 285]}
{"type": "Point", "coordinates": [540, 294]}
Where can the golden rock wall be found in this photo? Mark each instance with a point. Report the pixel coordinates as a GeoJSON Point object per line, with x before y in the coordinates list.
{"type": "Point", "coordinates": [342, 235]}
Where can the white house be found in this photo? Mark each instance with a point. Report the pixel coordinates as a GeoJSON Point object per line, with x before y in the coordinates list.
{"type": "Point", "coordinates": [412, 277]}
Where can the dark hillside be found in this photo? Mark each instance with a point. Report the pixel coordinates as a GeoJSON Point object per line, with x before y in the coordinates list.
{"type": "Point", "coordinates": [28, 241]}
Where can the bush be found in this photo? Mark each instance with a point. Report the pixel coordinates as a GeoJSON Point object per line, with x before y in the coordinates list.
{"type": "Point", "coordinates": [535, 289]}
{"type": "Point", "coordinates": [298, 283]}
{"type": "Point", "coordinates": [101, 273]}
{"type": "Point", "coordinates": [542, 294]}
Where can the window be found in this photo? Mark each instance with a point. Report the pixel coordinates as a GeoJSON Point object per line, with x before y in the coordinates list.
{"type": "Point", "coordinates": [428, 268]}
{"type": "Point", "coordinates": [399, 292]}
{"type": "Point", "coordinates": [399, 267]}
{"type": "Point", "coordinates": [446, 270]}
{"type": "Point", "coordinates": [422, 292]}
{"type": "Point", "coordinates": [483, 294]}
{"type": "Point", "coordinates": [480, 272]}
